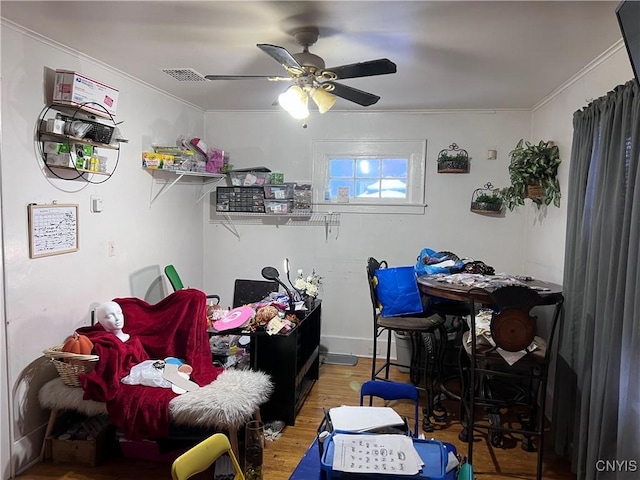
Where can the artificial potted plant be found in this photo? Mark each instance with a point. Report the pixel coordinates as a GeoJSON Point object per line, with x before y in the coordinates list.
{"type": "Point", "coordinates": [533, 172]}
{"type": "Point", "coordinates": [453, 160]}
{"type": "Point", "coordinates": [487, 200]}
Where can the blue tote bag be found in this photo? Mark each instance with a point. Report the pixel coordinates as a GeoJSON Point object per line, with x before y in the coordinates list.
{"type": "Point", "coordinates": [397, 291]}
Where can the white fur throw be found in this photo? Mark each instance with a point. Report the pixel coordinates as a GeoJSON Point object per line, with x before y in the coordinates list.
{"type": "Point", "coordinates": [56, 395]}
{"type": "Point", "coordinates": [229, 401]}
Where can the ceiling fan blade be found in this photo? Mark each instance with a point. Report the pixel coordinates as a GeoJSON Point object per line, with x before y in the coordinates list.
{"type": "Point", "coordinates": [248, 77]}
{"type": "Point", "coordinates": [352, 94]}
{"type": "Point", "coordinates": [382, 66]}
{"type": "Point", "coordinates": [283, 57]}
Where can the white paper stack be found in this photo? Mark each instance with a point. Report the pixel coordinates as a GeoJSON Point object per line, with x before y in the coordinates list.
{"type": "Point", "coordinates": [363, 419]}
{"type": "Point", "coordinates": [376, 454]}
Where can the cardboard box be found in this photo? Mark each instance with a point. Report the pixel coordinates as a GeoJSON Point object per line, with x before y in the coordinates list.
{"type": "Point", "coordinates": [157, 160]}
{"type": "Point", "coordinates": [71, 88]}
{"type": "Point", "coordinates": [86, 452]}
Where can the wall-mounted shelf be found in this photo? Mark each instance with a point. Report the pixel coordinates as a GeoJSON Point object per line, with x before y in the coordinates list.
{"type": "Point", "coordinates": [171, 177]}
{"type": "Point", "coordinates": [79, 170]}
{"type": "Point", "coordinates": [74, 158]}
{"type": "Point", "coordinates": [84, 141]}
{"type": "Point", "coordinates": [319, 219]}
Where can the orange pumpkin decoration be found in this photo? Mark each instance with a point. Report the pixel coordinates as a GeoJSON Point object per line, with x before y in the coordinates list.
{"type": "Point", "coordinates": [77, 343]}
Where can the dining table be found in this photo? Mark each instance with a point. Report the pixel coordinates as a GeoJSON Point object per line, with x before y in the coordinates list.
{"type": "Point", "coordinates": [475, 290]}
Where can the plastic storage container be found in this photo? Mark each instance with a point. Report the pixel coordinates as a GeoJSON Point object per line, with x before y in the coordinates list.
{"type": "Point", "coordinates": [240, 199]}
{"type": "Point", "coordinates": [279, 192]}
{"type": "Point", "coordinates": [249, 179]}
{"type": "Point", "coordinates": [404, 349]}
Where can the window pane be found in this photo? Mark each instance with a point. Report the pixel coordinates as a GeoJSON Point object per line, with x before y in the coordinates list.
{"type": "Point", "coordinates": [341, 168]}
{"type": "Point", "coordinates": [383, 188]}
{"type": "Point", "coordinates": [394, 167]}
{"type": "Point", "coordinates": [335, 184]}
{"type": "Point", "coordinates": [368, 168]}
{"type": "Point", "coordinates": [363, 189]}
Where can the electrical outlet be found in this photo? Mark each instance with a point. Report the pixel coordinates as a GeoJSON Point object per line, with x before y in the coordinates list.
{"type": "Point", "coordinates": [112, 248]}
{"type": "Point", "coordinates": [96, 204]}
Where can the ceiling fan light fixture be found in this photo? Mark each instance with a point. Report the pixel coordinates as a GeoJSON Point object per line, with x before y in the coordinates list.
{"type": "Point", "coordinates": [323, 99]}
{"type": "Point", "coordinates": [295, 101]}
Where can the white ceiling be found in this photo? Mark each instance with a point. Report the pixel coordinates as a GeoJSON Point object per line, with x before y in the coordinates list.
{"type": "Point", "coordinates": [449, 55]}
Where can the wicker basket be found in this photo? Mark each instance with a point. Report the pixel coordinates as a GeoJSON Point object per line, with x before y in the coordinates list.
{"type": "Point", "coordinates": [70, 365]}
{"type": "Point", "coordinates": [535, 191]}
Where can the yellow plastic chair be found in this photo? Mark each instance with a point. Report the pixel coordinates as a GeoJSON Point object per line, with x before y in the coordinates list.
{"type": "Point", "coordinates": [200, 457]}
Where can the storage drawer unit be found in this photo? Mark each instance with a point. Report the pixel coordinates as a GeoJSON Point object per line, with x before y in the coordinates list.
{"type": "Point", "coordinates": [240, 199]}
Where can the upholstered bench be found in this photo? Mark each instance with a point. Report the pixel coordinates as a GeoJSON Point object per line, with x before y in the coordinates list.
{"type": "Point", "coordinates": [227, 403]}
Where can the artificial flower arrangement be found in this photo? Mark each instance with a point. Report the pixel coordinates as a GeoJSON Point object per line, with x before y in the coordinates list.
{"type": "Point", "coordinates": [309, 285]}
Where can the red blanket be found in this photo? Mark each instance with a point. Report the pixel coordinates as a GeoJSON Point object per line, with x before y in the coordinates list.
{"type": "Point", "coordinates": [174, 327]}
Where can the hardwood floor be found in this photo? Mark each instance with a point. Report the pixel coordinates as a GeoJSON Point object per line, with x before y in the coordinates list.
{"type": "Point", "coordinates": [338, 385]}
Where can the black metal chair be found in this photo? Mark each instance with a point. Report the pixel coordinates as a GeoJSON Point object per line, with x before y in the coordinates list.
{"type": "Point", "coordinates": [424, 327]}
{"type": "Point", "coordinates": [512, 394]}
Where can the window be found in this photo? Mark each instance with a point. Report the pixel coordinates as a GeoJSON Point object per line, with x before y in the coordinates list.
{"type": "Point", "coordinates": [369, 176]}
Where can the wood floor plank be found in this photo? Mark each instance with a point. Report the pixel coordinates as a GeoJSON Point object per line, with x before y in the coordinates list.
{"type": "Point", "coordinates": [338, 385]}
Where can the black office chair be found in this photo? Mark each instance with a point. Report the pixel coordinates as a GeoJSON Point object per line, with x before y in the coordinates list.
{"type": "Point", "coordinates": [176, 282]}
{"type": "Point", "coordinates": [250, 291]}
{"type": "Point", "coordinates": [419, 327]}
{"type": "Point", "coordinates": [490, 382]}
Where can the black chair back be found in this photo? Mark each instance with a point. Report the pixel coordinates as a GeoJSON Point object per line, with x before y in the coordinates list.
{"type": "Point", "coordinates": [250, 291]}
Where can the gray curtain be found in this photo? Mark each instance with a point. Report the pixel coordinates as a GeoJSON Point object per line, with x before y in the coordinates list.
{"type": "Point", "coordinates": [597, 399]}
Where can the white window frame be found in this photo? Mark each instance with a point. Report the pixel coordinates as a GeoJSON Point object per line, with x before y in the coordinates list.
{"type": "Point", "coordinates": [413, 150]}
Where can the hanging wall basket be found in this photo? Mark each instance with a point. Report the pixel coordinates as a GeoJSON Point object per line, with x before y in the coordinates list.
{"type": "Point", "coordinates": [487, 201]}
{"type": "Point", "coordinates": [453, 160]}
{"type": "Point", "coordinates": [535, 191]}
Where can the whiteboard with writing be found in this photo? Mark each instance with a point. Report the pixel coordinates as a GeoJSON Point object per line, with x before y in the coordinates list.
{"type": "Point", "coordinates": [53, 229]}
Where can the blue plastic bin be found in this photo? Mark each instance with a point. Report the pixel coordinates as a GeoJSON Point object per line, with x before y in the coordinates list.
{"type": "Point", "coordinates": [434, 454]}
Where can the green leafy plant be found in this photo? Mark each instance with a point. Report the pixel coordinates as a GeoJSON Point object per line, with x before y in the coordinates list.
{"type": "Point", "coordinates": [494, 199]}
{"type": "Point", "coordinates": [531, 165]}
{"type": "Point", "coordinates": [458, 157]}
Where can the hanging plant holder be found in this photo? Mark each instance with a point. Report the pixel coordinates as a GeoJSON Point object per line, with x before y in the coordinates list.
{"type": "Point", "coordinates": [453, 160]}
{"type": "Point", "coordinates": [487, 200]}
{"type": "Point", "coordinates": [535, 191]}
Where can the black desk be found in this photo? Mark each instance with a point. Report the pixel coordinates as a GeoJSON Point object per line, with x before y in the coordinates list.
{"type": "Point", "coordinates": [293, 362]}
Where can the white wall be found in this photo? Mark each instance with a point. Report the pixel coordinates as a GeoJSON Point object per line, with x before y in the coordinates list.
{"type": "Point", "coordinates": [275, 141]}
{"type": "Point", "coordinates": [47, 298]}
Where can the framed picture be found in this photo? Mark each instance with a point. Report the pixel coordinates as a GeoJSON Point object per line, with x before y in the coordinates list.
{"type": "Point", "coordinates": [53, 229]}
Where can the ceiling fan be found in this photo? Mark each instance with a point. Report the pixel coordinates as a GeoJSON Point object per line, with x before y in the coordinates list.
{"type": "Point", "coordinates": [311, 79]}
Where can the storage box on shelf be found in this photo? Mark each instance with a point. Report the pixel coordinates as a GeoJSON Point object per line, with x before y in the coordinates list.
{"type": "Point", "coordinates": [279, 192]}
{"type": "Point", "coordinates": [283, 199]}
{"type": "Point", "coordinates": [278, 207]}
{"type": "Point", "coordinates": [240, 199]}
{"type": "Point", "coordinates": [248, 179]}
{"type": "Point", "coordinates": [302, 198]}
{"type": "Point", "coordinates": [74, 89]}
